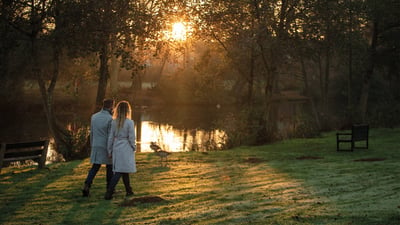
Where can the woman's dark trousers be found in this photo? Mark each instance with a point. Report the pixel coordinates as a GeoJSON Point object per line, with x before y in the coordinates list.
{"type": "Point", "coordinates": [114, 182]}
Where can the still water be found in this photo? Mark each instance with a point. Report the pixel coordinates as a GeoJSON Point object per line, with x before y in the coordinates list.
{"type": "Point", "coordinates": [173, 139]}
{"type": "Point", "coordinates": [173, 128]}
{"type": "Point", "coordinates": [169, 138]}
{"type": "Point", "coordinates": [179, 128]}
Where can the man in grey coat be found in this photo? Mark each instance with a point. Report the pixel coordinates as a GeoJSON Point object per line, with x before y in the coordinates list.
{"type": "Point", "coordinates": [99, 129]}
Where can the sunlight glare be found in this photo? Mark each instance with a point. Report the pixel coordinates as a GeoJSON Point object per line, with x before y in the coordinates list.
{"type": "Point", "coordinates": [173, 140]}
{"type": "Point", "coordinates": [179, 31]}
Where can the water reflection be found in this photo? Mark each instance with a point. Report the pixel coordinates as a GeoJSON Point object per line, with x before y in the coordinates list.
{"type": "Point", "coordinates": [166, 136]}
{"type": "Point", "coordinates": [174, 129]}
{"type": "Point", "coordinates": [176, 140]}
{"type": "Point", "coordinates": [181, 128]}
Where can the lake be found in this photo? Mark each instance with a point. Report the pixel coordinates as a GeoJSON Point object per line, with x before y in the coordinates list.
{"type": "Point", "coordinates": [174, 128]}
{"type": "Point", "coordinates": [180, 128]}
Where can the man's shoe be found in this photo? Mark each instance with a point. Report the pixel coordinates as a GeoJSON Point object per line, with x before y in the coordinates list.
{"type": "Point", "coordinates": [85, 191]}
{"type": "Point", "coordinates": [108, 195]}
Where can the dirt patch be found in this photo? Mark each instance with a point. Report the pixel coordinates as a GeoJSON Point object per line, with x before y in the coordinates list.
{"type": "Point", "coordinates": [308, 157]}
{"type": "Point", "coordinates": [142, 200]}
{"type": "Point", "coordinates": [254, 160]}
{"type": "Point", "coordinates": [369, 159]}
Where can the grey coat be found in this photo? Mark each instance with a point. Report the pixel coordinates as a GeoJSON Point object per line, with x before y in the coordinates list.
{"type": "Point", "coordinates": [99, 129]}
{"type": "Point", "coordinates": [122, 147]}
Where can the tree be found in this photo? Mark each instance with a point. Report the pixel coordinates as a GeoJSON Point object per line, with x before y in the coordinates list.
{"type": "Point", "coordinates": [95, 27]}
{"type": "Point", "coordinates": [256, 32]}
{"type": "Point", "coordinates": [8, 44]}
{"type": "Point", "coordinates": [383, 18]}
{"type": "Point", "coordinates": [39, 24]}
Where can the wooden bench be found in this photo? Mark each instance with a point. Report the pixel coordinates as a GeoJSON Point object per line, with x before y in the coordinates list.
{"type": "Point", "coordinates": [359, 133]}
{"type": "Point", "coordinates": [13, 152]}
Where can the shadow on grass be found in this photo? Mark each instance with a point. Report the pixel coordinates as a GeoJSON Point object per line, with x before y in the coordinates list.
{"type": "Point", "coordinates": [160, 169]}
{"type": "Point", "coordinates": [143, 200]}
{"type": "Point", "coordinates": [100, 210]}
{"type": "Point", "coordinates": [19, 188]}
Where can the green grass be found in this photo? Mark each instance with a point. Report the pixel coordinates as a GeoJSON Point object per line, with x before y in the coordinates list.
{"type": "Point", "coordinates": [247, 185]}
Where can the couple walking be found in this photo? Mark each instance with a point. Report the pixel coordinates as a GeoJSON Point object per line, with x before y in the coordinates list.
{"type": "Point", "coordinates": [112, 139]}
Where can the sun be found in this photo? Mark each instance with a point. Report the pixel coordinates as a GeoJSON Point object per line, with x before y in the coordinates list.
{"type": "Point", "coordinates": [179, 31]}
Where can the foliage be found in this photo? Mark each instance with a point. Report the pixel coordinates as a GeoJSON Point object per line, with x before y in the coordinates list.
{"type": "Point", "coordinates": [250, 51]}
{"type": "Point", "coordinates": [79, 138]}
{"type": "Point", "coordinates": [305, 127]}
{"type": "Point", "coordinates": [236, 130]}
{"type": "Point", "coordinates": [200, 80]}
{"type": "Point", "coordinates": [244, 128]}
{"type": "Point", "coordinates": [384, 100]}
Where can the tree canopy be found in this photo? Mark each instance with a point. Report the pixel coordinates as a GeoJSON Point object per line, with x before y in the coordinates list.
{"type": "Point", "coordinates": [336, 55]}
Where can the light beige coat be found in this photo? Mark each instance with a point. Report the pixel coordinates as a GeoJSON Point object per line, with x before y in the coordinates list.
{"type": "Point", "coordinates": [122, 147]}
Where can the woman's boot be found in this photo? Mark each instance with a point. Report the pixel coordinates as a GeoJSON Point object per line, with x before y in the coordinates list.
{"type": "Point", "coordinates": [129, 191]}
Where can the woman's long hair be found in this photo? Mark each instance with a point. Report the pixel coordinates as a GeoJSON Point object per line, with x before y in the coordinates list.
{"type": "Point", "coordinates": [123, 112]}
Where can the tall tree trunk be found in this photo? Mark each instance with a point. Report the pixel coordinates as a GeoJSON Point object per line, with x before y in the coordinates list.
{"type": "Point", "coordinates": [114, 73]}
{"type": "Point", "coordinates": [350, 79]}
{"type": "Point", "coordinates": [137, 114]}
{"type": "Point", "coordinates": [321, 77]}
{"type": "Point", "coordinates": [327, 76]}
{"type": "Point", "coordinates": [282, 18]}
{"type": "Point", "coordinates": [162, 66]}
{"type": "Point", "coordinates": [61, 136]}
{"type": "Point", "coordinates": [307, 93]}
{"type": "Point", "coordinates": [103, 77]}
{"type": "Point", "coordinates": [269, 59]}
{"type": "Point", "coordinates": [250, 89]}
{"type": "Point", "coordinates": [269, 121]}
{"type": "Point", "coordinates": [4, 48]}
{"type": "Point", "coordinates": [350, 66]}
{"type": "Point", "coordinates": [136, 87]}
{"type": "Point", "coordinates": [369, 71]}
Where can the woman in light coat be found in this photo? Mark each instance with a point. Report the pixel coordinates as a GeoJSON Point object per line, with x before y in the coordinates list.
{"type": "Point", "coordinates": [121, 147]}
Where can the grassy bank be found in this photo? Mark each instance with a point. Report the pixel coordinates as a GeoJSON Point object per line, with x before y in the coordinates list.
{"type": "Point", "coordinates": [301, 181]}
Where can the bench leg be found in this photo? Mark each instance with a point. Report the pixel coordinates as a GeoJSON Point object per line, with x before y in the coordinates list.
{"type": "Point", "coordinates": [2, 152]}
{"type": "Point", "coordinates": [42, 160]}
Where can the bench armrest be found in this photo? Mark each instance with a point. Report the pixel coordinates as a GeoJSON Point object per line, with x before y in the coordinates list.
{"type": "Point", "coordinates": [339, 134]}
{"type": "Point", "coordinates": [344, 137]}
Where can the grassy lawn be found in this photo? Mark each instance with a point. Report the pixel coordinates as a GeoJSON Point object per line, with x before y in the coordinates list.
{"type": "Point", "coordinates": [300, 181]}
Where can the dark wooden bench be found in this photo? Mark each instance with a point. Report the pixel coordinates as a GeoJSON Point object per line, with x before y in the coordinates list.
{"type": "Point", "coordinates": [13, 152]}
{"type": "Point", "coordinates": [359, 133]}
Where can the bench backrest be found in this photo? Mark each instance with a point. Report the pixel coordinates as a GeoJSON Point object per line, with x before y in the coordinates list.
{"type": "Point", "coordinates": [360, 132]}
{"type": "Point", "coordinates": [24, 149]}
{"type": "Point", "coordinates": [36, 150]}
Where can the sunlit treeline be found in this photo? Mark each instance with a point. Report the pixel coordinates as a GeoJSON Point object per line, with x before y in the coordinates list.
{"type": "Point", "coordinates": [293, 67]}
